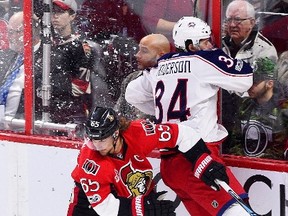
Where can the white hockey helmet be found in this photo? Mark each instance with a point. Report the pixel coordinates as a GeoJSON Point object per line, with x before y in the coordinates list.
{"type": "Point", "coordinates": [192, 28]}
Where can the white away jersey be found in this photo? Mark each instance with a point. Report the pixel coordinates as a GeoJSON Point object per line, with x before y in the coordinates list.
{"type": "Point", "coordinates": [184, 87]}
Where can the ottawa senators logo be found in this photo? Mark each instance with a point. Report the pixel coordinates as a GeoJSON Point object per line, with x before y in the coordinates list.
{"type": "Point", "coordinates": [137, 181]}
{"type": "Point", "coordinates": [90, 167]}
{"type": "Point", "coordinates": [191, 24]}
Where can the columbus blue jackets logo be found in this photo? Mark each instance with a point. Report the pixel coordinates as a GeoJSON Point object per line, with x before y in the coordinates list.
{"type": "Point", "coordinates": [90, 167]}
{"type": "Point", "coordinates": [137, 181]}
{"type": "Point", "coordinates": [191, 24]}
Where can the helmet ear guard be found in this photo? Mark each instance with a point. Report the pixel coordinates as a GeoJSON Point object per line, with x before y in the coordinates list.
{"type": "Point", "coordinates": [190, 28]}
{"type": "Point", "coordinates": [101, 123]}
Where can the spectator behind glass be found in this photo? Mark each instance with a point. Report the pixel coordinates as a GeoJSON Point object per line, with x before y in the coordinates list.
{"type": "Point", "coordinates": [4, 42]}
{"type": "Point", "coordinates": [12, 82]}
{"type": "Point", "coordinates": [263, 121]}
{"type": "Point", "coordinates": [8, 56]}
{"type": "Point", "coordinates": [13, 78]}
{"type": "Point", "coordinates": [282, 70]}
{"type": "Point", "coordinates": [151, 48]}
{"type": "Point", "coordinates": [242, 41]}
{"type": "Point", "coordinates": [73, 62]}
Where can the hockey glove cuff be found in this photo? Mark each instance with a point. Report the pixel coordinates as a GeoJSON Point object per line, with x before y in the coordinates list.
{"type": "Point", "coordinates": [196, 151]}
{"type": "Point", "coordinates": [208, 170]}
{"type": "Point", "coordinates": [152, 206]}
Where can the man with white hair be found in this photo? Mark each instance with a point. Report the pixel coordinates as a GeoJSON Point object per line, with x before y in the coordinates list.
{"type": "Point", "coordinates": [242, 41]}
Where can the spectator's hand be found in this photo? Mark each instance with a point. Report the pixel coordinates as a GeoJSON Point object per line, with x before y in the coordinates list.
{"type": "Point", "coordinates": [80, 87]}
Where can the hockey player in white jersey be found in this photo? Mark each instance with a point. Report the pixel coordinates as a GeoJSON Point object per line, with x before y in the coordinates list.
{"type": "Point", "coordinates": [184, 87]}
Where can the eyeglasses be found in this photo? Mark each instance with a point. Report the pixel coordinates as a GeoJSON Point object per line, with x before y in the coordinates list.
{"type": "Point", "coordinates": [235, 20]}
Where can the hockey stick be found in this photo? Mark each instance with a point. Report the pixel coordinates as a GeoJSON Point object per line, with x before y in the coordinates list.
{"type": "Point", "coordinates": [229, 190]}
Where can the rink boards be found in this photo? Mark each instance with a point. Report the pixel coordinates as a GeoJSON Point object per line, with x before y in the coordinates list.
{"type": "Point", "coordinates": [35, 180]}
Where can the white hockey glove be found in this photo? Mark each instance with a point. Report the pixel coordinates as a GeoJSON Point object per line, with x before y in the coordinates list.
{"type": "Point", "coordinates": [205, 167]}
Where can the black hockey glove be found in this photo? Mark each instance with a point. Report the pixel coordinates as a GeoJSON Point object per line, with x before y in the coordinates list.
{"type": "Point", "coordinates": [205, 167]}
{"type": "Point", "coordinates": [151, 206]}
{"type": "Point", "coordinates": [208, 170]}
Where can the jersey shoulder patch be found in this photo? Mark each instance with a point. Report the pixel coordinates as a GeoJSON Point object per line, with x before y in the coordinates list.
{"type": "Point", "coordinates": [91, 162]}
{"type": "Point", "coordinates": [146, 125]}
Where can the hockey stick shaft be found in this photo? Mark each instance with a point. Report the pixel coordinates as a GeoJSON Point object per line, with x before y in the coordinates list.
{"type": "Point", "coordinates": [232, 193]}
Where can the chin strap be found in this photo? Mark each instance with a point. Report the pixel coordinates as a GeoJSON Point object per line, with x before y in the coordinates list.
{"type": "Point", "coordinates": [115, 137]}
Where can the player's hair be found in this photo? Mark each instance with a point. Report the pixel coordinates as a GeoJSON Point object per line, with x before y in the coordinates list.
{"type": "Point", "coordinates": [123, 123]}
{"type": "Point", "coordinates": [187, 43]}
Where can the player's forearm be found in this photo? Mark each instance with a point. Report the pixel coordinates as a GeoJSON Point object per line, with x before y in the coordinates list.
{"type": "Point", "coordinates": [164, 26]}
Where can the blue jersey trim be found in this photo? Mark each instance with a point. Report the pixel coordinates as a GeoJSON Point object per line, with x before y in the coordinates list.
{"type": "Point", "coordinates": [229, 203]}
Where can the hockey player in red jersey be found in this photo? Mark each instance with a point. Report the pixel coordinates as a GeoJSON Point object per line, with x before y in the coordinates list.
{"type": "Point", "coordinates": [183, 88]}
{"type": "Point", "coordinates": [113, 175]}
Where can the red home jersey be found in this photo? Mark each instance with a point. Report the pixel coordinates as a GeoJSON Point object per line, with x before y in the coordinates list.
{"type": "Point", "coordinates": [129, 172]}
